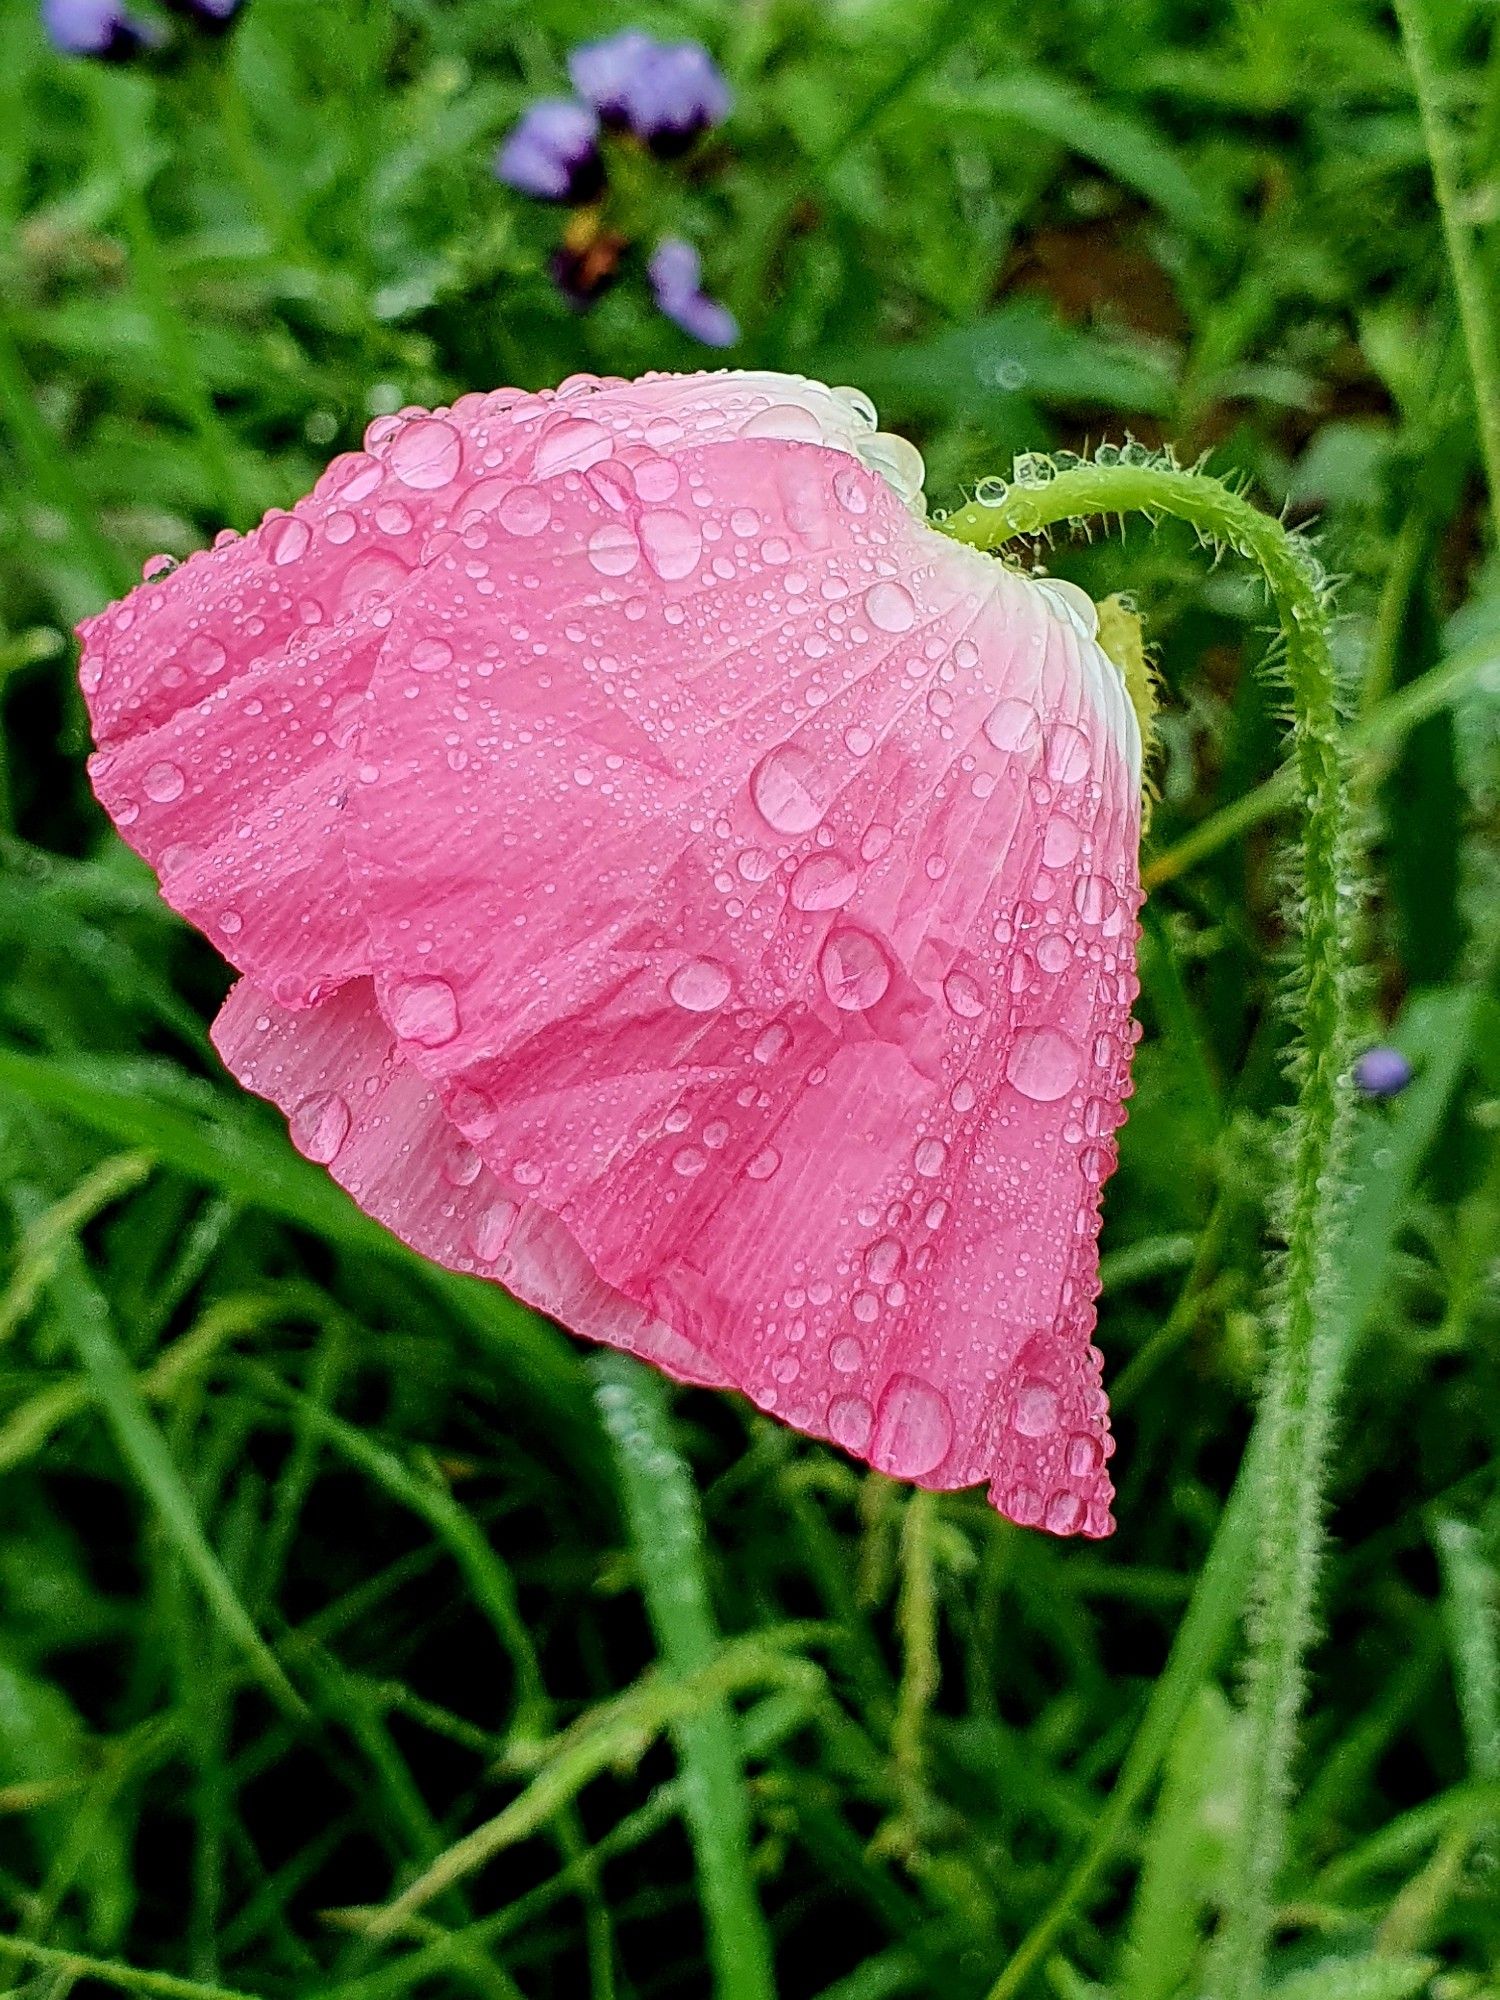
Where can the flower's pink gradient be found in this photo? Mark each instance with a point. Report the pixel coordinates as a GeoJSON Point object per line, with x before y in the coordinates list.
{"type": "Point", "coordinates": [674, 881]}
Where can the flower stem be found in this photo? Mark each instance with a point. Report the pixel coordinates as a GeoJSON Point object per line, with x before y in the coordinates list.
{"type": "Point", "coordinates": [1296, 1409]}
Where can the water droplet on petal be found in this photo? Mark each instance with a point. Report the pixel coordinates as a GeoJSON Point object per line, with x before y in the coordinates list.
{"type": "Point", "coordinates": [1067, 754]}
{"type": "Point", "coordinates": [913, 1428]}
{"type": "Point", "coordinates": [854, 970]}
{"type": "Point", "coordinates": [490, 1230]}
{"type": "Point", "coordinates": [430, 656]}
{"type": "Point", "coordinates": [846, 1354]}
{"type": "Point", "coordinates": [1036, 1409]}
{"type": "Point", "coordinates": [961, 991]}
{"type": "Point", "coordinates": [1053, 952]}
{"type": "Point", "coordinates": [462, 1165]}
{"type": "Point", "coordinates": [849, 1420]}
{"type": "Point", "coordinates": [789, 789]}
{"type": "Point", "coordinates": [875, 843]}
{"type": "Point", "coordinates": [929, 1157]}
{"type": "Point", "coordinates": [699, 985]}
{"type": "Point", "coordinates": [286, 540]}
{"type": "Point", "coordinates": [1084, 1456]}
{"type": "Point", "coordinates": [784, 420]}
{"type": "Point", "coordinates": [525, 510]}
{"type": "Point", "coordinates": [1043, 1064]}
{"type": "Point", "coordinates": [1060, 842]}
{"type": "Point", "coordinates": [763, 1164]}
{"type": "Point", "coordinates": [672, 542]}
{"type": "Point", "coordinates": [883, 1260]}
{"type": "Point", "coordinates": [163, 783]}
{"type": "Point", "coordinates": [771, 1042]}
{"type": "Point", "coordinates": [1094, 898]}
{"type": "Point", "coordinates": [319, 1126]}
{"type": "Point", "coordinates": [1064, 1514]}
{"type": "Point", "coordinates": [572, 447]}
{"type": "Point", "coordinates": [425, 453]}
{"type": "Point", "coordinates": [613, 549]}
{"type": "Point", "coordinates": [424, 1011]}
{"type": "Point", "coordinates": [889, 607]}
{"type": "Point", "coordinates": [1013, 725]}
{"type": "Point", "coordinates": [823, 882]}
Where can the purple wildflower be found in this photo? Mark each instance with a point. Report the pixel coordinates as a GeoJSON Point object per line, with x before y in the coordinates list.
{"type": "Point", "coordinates": [98, 28]}
{"type": "Point", "coordinates": [552, 154]}
{"type": "Point", "coordinates": [214, 16]}
{"type": "Point", "coordinates": [666, 93]}
{"type": "Point", "coordinates": [676, 276]}
{"type": "Point", "coordinates": [1381, 1072]}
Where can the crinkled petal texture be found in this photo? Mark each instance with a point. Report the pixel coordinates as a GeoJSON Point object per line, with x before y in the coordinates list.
{"type": "Point", "coordinates": [672, 880]}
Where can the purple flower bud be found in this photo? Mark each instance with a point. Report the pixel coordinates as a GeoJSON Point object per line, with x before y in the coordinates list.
{"type": "Point", "coordinates": [99, 28]}
{"type": "Point", "coordinates": [1381, 1072]}
{"type": "Point", "coordinates": [666, 93]}
{"type": "Point", "coordinates": [676, 276]}
{"type": "Point", "coordinates": [213, 16]}
{"type": "Point", "coordinates": [553, 152]}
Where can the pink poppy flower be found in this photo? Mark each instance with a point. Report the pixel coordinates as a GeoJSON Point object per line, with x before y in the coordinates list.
{"type": "Point", "coordinates": [673, 880]}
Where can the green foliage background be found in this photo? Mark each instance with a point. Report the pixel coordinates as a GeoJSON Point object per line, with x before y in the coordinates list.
{"type": "Point", "coordinates": [328, 1579]}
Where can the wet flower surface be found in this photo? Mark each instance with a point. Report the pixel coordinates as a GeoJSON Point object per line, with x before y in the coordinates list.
{"type": "Point", "coordinates": [673, 880]}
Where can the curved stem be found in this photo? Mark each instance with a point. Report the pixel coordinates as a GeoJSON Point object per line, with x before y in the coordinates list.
{"type": "Point", "coordinates": [1296, 1410]}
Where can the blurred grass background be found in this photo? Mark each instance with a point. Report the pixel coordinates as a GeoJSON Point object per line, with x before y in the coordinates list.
{"type": "Point", "coordinates": [324, 1574]}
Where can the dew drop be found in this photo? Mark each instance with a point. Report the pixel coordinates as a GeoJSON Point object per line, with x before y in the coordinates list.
{"type": "Point", "coordinates": [849, 1421]}
{"type": "Point", "coordinates": [525, 510]}
{"type": "Point", "coordinates": [858, 742]}
{"type": "Point", "coordinates": [961, 991]}
{"type": "Point", "coordinates": [771, 1042]}
{"type": "Point", "coordinates": [875, 843]}
{"type": "Point", "coordinates": [854, 970]}
{"type": "Point", "coordinates": [1067, 754]}
{"type": "Point", "coordinates": [784, 420]}
{"type": "Point", "coordinates": [889, 607]}
{"type": "Point", "coordinates": [673, 543]}
{"type": "Point", "coordinates": [851, 490]}
{"type": "Point", "coordinates": [883, 1261]}
{"type": "Point", "coordinates": [1036, 1409]}
{"type": "Point", "coordinates": [424, 1011]}
{"type": "Point", "coordinates": [656, 480]}
{"type": "Point", "coordinates": [846, 1354]}
{"type": "Point", "coordinates": [1064, 1514]}
{"type": "Point", "coordinates": [319, 1126]}
{"type": "Point", "coordinates": [823, 882]}
{"type": "Point", "coordinates": [340, 528]}
{"type": "Point", "coordinates": [286, 540]}
{"type": "Point", "coordinates": [572, 447]}
{"type": "Point", "coordinates": [1013, 725]}
{"type": "Point", "coordinates": [462, 1165]}
{"type": "Point", "coordinates": [1043, 1064]}
{"type": "Point", "coordinates": [929, 1157]}
{"type": "Point", "coordinates": [1094, 898]}
{"type": "Point", "coordinates": [1084, 1456]}
{"type": "Point", "coordinates": [699, 985]}
{"type": "Point", "coordinates": [1060, 842]}
{"type": "Point", "coordinates": [425, 453]}
{"type": "Point", "coordinates": [430, 656]}
{"type": "Point", "coordinates": [613, 549]}
{"type": "Point", "coordinates": [913, 1428]}
{"type": "Point", "coordinates": [754, 865]}
{"type": "Point", "coordinates": [789, 789]}
{"type": "Point", "coordinates": [763, 1164]}
{"type": "Point", "coordinates": [163, 783]}
{"type": "Point", "coordinates": [1053, 952]}
{"type": "Point", "coordinates": [688, 1162]}
{"type": "Point", "coordinates": [393, 518]}
{"type": "Point", "coordinates": [489, 1232]}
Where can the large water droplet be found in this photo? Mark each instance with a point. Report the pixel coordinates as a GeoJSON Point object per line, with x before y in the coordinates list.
{"type": "Point", "coordinates": [763, 1164]}
{"type": "Point", "coordinates": [699, 985]}
{"type": "Point", "coordinates": [789, 789]}
{"type": "Point", "coordinates": [849, 1420]}
{"type": "Point", "coordinates": [913, 1428]}
{"type": "Point", "coordinates": [1094, 898]}
{"type": "Point", "coordinates": [883, 1260]}
{"type": "Point", "coordinates": [1043, 1064]}
{"type": "Point", "coordinates": [319, 1126]}
{"type": "Point", "coordinates": [672, 543]}
{"type": "Point", "coordinates": [1084, 1456]}
{"type": "Point", "coordinates": [1067, 754]}
{"type": "Point", "coordinates": [572, 447]}
{"type": "Point", "coordinates": [425, 453]}
{"type": "Point", "coordinates": [286, 540]}
{"type": "Point", "coordinates": [1064, 1514]}
{"type": "Point", "coordinates": [1060, 842]}
{"type": "Point", "coordinates": [784, 420]}
{"type": "Point", "coordinates": [1036, 1409]}
{"type": "Point", "coordinates": [823, 882]}
{"type": "Point", "coordinates": [163, 783]}
{"type": "Point", "coordinates": [962, 992]}
{"type": "Point", "coordinates": [928, 1158]}
{"type": "Point", "coordinates": [1013, 725]}
{"type": "Point", "coordinates": [889, 606]}
{"type": "Point", "coordinates": [771, 1042]}
{"type": "Point", "coordinates": [430, 656]}
{"type": "Point", "coordinates": [424, 1011]}
{"type": "Point", "coordinates": [846, 1354]}
{"type": "Point", "coordinates": [613, 549]}
{"type": "Point", "coordinates": [854, 970]}
{"type": "Point", "coordinates": [525, 510]}
{"type": "Point", "coordinates": [490, 1230]}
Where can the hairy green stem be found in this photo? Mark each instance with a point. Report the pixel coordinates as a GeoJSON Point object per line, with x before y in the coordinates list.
{"type": "Point", "coordinates": [1469, 285]}
{"type": "Point", "coordinates": [1296, 1410]}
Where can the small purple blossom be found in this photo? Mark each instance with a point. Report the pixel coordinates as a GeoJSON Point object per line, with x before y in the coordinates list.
{"type": "Point", "coordinates": [552, 154]}
{"type": "Point", "coordinates": [676, 275]}
{"type": "Point", "coordinates": [213, 16]}
{"type": "Point", "coordinates": [666, 93]}
{"type": "Point", "coordinates": [1381, 1072]}
{"type": "Point", "coordinates": [99, 28]}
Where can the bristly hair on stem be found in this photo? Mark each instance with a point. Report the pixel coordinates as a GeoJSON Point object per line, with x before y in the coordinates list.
{"type": "Point", "coordinates": [1295, 1417]}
